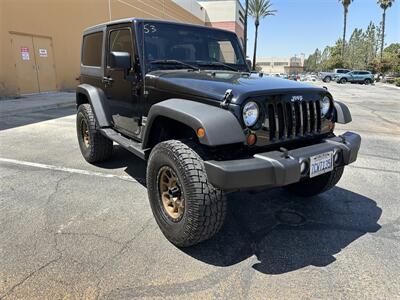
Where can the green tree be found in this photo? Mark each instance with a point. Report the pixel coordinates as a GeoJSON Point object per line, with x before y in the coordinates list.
{"type": "Point", "coordinates": [384, 4]}
{"type": "Point", "coordinates": [259, 9]}
{"type": "Point", "coordinates": [346, 4]}
{"type": "Point", "coordinates": [335, 59]}
{"type": "Point", "coordinates": [355, 50]}
{"type": "Point", "coordinates": [369, 44]}
{"type": "Point", "coordinates": [392, 55]}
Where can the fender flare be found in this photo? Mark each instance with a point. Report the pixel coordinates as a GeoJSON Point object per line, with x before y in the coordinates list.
{"type": "Point", "coordinates": [221, 126]}
{"type": "Point", "coordinates": [97, 100]}
{"type": "Point", "coordinates": [342, 113]}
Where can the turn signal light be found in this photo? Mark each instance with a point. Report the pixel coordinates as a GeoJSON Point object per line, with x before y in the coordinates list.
{"type": "Point", "coordinates": [251, 139]}
{"type": "Point", "coordinates": [331, 126]}
{"type": "Point", "coordinates": [201, 132]}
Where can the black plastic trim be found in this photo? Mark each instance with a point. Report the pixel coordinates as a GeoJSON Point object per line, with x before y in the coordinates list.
{"type": "Point", "coordinates": [273, 169]}
{"type": "Point", "coordinates": [97, 100]}
{"type": "Point", "coordinates": [221, 126]}
{"type": "Point", "coordinates": [342, 113]}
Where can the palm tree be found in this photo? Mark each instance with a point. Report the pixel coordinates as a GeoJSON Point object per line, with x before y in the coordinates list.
{"type": "Point", "coordinates": [384, 4]}
{"type": "Point", "coordinates": [346, 4]}
{"type": "Point", "coordinates": [259, 9]}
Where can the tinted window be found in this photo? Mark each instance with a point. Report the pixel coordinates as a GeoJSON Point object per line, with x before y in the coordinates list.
{"type": "Point", "coordinates": [201, 46]}
{"type": "Point", "coordinates": [92, 49]}
{"type": "Point", "coordinates": [364, 73]}
{"type": "Point", "coordinates": [120, 41]}
{"type": "Point", "coordinates": [222, 51]}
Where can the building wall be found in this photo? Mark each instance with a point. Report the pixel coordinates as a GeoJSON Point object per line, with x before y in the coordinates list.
{"type": "Point", "coordinates": [288, 65]}
{"type": "Point", "coordinates": [63, 21]}
{"type": "Point", "coordinates": [225, 14]}
{"type": "Point", "coordinates": [193, 7]}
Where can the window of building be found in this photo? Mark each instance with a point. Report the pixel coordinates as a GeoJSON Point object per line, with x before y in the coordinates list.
{"type": "Point", "coordinates": [92, 49]}
{"type": "Point", "coordinates": [281, 63]}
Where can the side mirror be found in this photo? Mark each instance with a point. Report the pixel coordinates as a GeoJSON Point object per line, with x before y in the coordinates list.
{"type": "Point", "coordinates": [120, 60]}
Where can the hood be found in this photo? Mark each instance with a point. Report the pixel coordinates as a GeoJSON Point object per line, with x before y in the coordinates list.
{"type": "Point", "coordinates": [213, 84]}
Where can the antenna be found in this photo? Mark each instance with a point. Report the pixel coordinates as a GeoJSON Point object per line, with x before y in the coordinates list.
{"type": "Point", "coordinates": [143, 59]}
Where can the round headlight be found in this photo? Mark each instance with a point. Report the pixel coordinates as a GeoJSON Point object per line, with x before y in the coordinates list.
{"type": "Point", "coordinates": [325, 106]}
{"type": "Point", "coordinates": [250, 113]}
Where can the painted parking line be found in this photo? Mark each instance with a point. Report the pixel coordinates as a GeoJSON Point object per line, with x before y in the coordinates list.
{"type": "Point", "coordinates": [64, 169]}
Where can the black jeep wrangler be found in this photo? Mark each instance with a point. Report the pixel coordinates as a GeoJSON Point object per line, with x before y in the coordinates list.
{"type": "Point", "coordinates": [183, 98]}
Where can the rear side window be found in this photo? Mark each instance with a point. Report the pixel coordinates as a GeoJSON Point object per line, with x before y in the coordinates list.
{"type": "Point", "coordinates": [92, 49]}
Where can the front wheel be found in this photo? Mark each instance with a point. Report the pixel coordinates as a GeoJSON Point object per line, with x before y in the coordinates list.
{"type": "Point", "coordinates": [187, 208]}
{"type": "Point", "coordinates": [367, 81]}
{"type": "Point", "coordinates": [327, 79]}
{"type": "Point", "coordinates": [317, 185]}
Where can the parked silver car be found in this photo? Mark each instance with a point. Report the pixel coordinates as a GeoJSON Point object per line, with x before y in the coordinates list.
{"type": "Point", "coordinates": [365, 77]}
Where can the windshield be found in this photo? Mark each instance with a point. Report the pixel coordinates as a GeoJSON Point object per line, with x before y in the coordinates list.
{"type": "Point", "coordinates": [174, 46]}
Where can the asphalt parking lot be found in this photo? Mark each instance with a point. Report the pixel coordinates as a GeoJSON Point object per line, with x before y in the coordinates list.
{"type": "Point", "coordinates": [72, 230]}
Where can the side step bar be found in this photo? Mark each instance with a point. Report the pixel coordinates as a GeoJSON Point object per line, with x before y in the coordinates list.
{"type": "Point", "coordinates": [128, 144]}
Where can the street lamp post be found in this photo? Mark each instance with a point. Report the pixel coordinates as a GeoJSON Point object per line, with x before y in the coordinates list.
{"type": "Point", "coordinates": [245, 26]}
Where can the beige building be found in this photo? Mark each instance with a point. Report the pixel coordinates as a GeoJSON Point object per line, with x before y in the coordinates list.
{"type": "Point", "coordinates": [287, 65]}
{"type": "Point", "coordinates": [41, 39]}
{"type": "Point", "coordinates": [226, 14]}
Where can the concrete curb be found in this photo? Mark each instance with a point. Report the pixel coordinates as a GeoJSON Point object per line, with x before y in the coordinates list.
{"type": "Point", "coordinates": [36, 103]}
{"type": "Point", "coordinates": [387, 85]}
{"type": "Point", "coordinates": [36, 109]}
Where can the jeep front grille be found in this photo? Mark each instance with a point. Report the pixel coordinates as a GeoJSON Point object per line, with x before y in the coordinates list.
{"type": "Point", "coordinates": [292, 119]}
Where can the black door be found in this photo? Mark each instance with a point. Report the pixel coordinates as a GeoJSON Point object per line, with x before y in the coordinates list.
{"type": "Point", "coordinates": [120, 86]}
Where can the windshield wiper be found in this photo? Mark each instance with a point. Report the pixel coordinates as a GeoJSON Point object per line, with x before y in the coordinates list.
{"type": "Point", "coordinates": [217, 63]}
{"type": "Point", "coordinates": [173, 62]}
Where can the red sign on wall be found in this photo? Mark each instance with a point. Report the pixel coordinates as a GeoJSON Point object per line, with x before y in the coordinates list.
{"type": "Point", "coordinates": [25, 53]}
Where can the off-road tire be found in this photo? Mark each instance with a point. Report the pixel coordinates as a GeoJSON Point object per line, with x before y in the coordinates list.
{"type": "Point", "coordinates": [99, 148]}
{"type": "Point", "coordinates": [316, 185]}
{"type": "Point", "coordinates": [327, 79]}
{"type": "Point", "coordinates": [343, 80]}
{"type": "Point", "coordinates": [204, 205]}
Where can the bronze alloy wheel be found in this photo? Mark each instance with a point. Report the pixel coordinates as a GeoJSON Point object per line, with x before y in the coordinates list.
{"type": "Point", "coordinates": [170, 194]}
{"type": "Point", "coordinates": [85, 132]}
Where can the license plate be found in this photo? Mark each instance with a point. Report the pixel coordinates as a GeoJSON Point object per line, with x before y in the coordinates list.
{"type": "Point", "coordinates": [321, 163]}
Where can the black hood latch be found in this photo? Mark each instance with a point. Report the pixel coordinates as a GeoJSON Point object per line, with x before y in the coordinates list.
{"type": "Point", "coordinates": [227, 98]}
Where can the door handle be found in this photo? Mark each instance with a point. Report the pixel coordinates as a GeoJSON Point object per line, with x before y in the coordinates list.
{"type": "Point", "coordinates": [107, 80]}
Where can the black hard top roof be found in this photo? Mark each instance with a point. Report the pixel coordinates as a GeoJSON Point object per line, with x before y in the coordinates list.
{"type": "Point", "coordinates": [102, 26]}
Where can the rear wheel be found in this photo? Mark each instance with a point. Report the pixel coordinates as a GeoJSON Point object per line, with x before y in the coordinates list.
{"type": "Point", "coordinates": [343, 80]}
{"type": "Point", "coordinates": [187, 208]}
{"type": "Point", "coordinates": [316, 185]}
{"type": "Point", "coordinates": [327, 79]}
{"type": "Point", "coordinates": [94, 146]}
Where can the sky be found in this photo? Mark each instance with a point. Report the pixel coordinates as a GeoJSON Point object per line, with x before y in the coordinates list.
{"type": "Point", "coordinates": [301, 26]}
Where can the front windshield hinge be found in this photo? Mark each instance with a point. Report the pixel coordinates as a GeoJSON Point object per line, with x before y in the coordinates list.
{"type": "Point", "coordinates": [227, 98]}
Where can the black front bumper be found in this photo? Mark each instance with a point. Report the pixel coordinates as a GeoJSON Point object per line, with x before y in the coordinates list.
{"type": "Point", "coordinates": [273, 169]}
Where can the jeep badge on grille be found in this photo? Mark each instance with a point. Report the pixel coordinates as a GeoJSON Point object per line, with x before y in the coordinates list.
{"type": "Point", "coordinates": [296, 98]}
